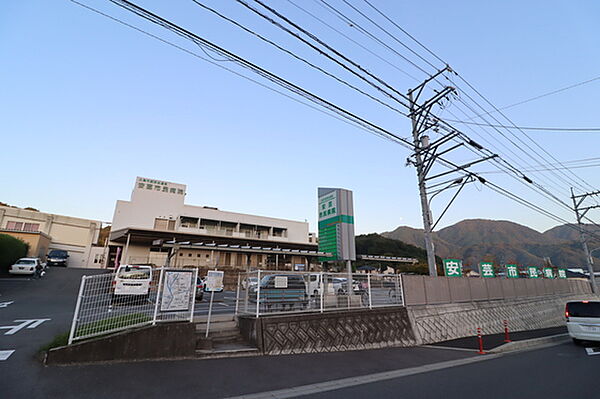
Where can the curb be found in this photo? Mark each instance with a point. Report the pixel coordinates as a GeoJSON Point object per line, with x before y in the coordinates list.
{"type": "Point", "coordinates": [533, 343]}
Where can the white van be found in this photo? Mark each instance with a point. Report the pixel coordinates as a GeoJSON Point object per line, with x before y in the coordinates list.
{"type": "Point", "coordinates": [583, 320]}
{"type": "Point", "coordinates": [315, 286]}
{"type": "Point", "coordinates": [132, 281]}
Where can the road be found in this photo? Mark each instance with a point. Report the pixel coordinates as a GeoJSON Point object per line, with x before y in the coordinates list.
{"type": "Point", "coordinates": [46, 305]}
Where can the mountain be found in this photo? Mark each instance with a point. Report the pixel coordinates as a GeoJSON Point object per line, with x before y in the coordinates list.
{"type": "Point", "coordinates": [499, 241]}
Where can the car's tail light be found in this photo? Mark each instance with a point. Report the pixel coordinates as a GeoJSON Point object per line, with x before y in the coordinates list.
{"type": "Point", "coordinates": [567, 312]}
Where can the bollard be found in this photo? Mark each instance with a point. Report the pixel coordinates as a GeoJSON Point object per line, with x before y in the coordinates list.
{"type": "Point", "coordinates": [506, 336]}
{"type": "Point", "coordinates": [480, 339]}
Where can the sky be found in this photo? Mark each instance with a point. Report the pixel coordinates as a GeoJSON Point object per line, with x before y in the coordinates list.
{"type": "Point", "coordinates": [88, 104]}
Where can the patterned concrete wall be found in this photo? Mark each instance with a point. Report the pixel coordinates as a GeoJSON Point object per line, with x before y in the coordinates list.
{"type": "Point", "coordinates": [435, 323]}
{"type": "Point", "coordinates": [330, 331]}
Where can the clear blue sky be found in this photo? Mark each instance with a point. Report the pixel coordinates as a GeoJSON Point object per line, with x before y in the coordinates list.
{"type": "Point", "coordinates": [87, 105]}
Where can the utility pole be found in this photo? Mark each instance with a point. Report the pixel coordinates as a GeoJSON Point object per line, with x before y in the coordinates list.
{"type": "Point", "coordinates": [580, 213]}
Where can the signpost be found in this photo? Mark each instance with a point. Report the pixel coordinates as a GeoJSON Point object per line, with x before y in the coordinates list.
{"type": "Point", "coordinates": [486, 269]}
{"type": "Point", "coordinates": [533, 272]}
{"type": "Point", "coordinates": [214, 282]}
{"type": "Point", "coordinates": [562, 273]}
{"type": "Point", "coordinates": [512, 271]}
{"type": "Point", "coordinates": [453, 267]}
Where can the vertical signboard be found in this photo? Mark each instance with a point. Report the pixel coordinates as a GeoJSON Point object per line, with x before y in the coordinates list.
{"type": "Point", "coordinates": [452, 267]}
{"type": "Point", "coordinates": [562, 273]}
{"type": "Point", "coordinates": [512, 271]}
{"type": "Point", "coordinates": [548, 273]}
{"type": "Point", "coordinates": [336, 224]}
{"type": "Point", "coordinates": [532, 272]}
{"type": "Point", "coordinates": [486, 269]}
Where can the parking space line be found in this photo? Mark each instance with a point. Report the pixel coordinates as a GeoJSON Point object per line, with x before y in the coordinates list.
{"type": "Point", "coordinates": [5, 354]}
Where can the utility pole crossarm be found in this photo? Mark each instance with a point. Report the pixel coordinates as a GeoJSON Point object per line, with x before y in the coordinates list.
{"type": "Point", "coordinates": [582, 235]}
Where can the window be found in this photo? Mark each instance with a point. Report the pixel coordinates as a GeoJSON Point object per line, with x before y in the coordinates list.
{"type": "Point", "coordinates": [190, 255]}
{"type": "Point", "coordinates": [31, 227]}
{"type": "Point", "coordinates": [197, 255]}
{"type": "Point", "coordinates": [161, 224]}
{"type": "Point", "coordinates": [179, 191]}
{"type": "Point", "coordinates": [172, 190]}
{"type": "Point", "coordinates": [149, 186]}
{"type": "Point", "coordinates": [165, 189]}
{"type": "Point", "coordinates": [14, 226]}
{"type": "Point", "coordinates": [140, 185]}
{"type": "Point", "coordinates": [583, 309]}
{"type": "Point", "coordinates": [157, 188]}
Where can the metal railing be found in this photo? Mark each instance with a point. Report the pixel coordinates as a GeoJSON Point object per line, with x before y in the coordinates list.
{"type": "Point", "coordinates": [268, 291]}
{"type": "Point", "coordinates": [107, 304]}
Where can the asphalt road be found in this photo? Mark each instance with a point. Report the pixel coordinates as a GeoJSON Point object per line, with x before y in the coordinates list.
{"type": "Point", "coordinates": [563, 371]}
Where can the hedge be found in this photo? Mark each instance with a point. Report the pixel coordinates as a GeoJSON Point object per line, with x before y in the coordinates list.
{"type": "Point", "coordinates": [11, 249]}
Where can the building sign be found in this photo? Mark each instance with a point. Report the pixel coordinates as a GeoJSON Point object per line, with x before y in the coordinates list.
{"type": "Point", "coordinates": [548, 273]}
{"type": "Point", "coordinates": [176, 291]}
{"type": "Point", "coordinates": [214, 281]}
{"type": "Point", "coordinates": [336, 224]}
{"type": "Point", "coordinates": [452, 267]}
{"type": "Point", "coordinates": [562, 273]}
{"type": "Point", "coordinates": [512, 271]}
{"type": "Point", "coordinates": [299, 267]}
{"type": "Point", "coordinates": [486, 269]}
{"type": "Point", "coordinates": [533, 272]}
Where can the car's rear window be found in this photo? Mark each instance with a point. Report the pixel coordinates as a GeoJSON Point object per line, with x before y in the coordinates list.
{"type": "Point", "coordinates": [26, 262]}
{"type": "Point", "coordinates": [134, 273]}
{"type": "Point", "coordinates": [582, 309]}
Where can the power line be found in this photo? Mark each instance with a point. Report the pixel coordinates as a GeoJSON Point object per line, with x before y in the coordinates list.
{"type": "Point", "coordinates": [541, 128]}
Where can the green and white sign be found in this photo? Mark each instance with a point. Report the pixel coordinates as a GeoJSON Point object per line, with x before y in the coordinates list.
{"type": "Point", "coordinates": [562, 273]}
{"type": "Point", "coordinates": [486, 269]}
{"type": "Point", "coordinates": [512, 271]}
{"type": "Point", "coordinates": [548, 273]}
{"type": "Point", "coordinates": [453, 267]}
{"type": "Point", "coordinates": [533, 272]}
{"type": "Point", "coordinates": [336, 224]}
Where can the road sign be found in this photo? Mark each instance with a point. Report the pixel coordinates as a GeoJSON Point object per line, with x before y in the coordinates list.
{"type": "Point", "coordinates": [453, 267]}
{"type": "Point", "coordinates": [486, 269]}
{"type": "Point", "coordinates": [548, 273]}
{"type": "Point", "coordinates": [336, 224]}
{"type": "Point", "coordinates": [512, 271]}
{"type": "Point", "coordinates": [176, 291]}
{"type": "Point", "coordinates": [533, 272]}
{"type": "Point", "coordinates": [562, 273]}
{"type": "Point", "coordinates": [214, 281]}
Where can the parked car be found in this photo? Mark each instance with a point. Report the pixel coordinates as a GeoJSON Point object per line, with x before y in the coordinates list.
{"type": "Point", "coordinates": [199, 289]}
{"type": "Point", "coordinates": [316, 287]}
{"type": "Point", "coordinates": [583, 320]}
{"type": "Point", "coordinates": [132, 282]}
{"type": "Point", "coordinates": [340, 286]}
{"type": "Point", "coordinates": [58, 257]}
{"type": "Point", "coordinates": [26, 266]}
{"type": "Point", "coordinates": [250, 283]}
{"type": "Point", "coordinates": [281, 291]}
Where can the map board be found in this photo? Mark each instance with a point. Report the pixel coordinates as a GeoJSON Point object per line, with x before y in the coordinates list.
{"type": "Point", "coordinates": [176, 291]}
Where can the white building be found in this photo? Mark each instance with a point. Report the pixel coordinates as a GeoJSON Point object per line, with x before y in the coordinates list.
{"type": "Point", "coordinates": [157, 211]}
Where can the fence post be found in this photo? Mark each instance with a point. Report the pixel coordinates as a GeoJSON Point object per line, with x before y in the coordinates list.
{"type": "Point", "coordinates": [76, 314]}
{"type": "Point", "coordinates": [258, 294]}
{"type": "Point", "coordinates": [237, 294]}
{"type": "Point", "coordinates": [323, 290]}
{"type": "Point", "coordinates": [369, 286]}
{"type": "Point", "coordinates": [397, 283]}
{"type": "Point", "coordinates": [195, 285]}
{"type": "Point", "coordinates": [160, 279]}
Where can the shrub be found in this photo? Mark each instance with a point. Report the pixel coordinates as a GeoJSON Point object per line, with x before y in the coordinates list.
{"type": "Point", "coordinates": [11, 249]}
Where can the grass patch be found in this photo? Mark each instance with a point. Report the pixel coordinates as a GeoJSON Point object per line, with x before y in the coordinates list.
{"type": "Point", "coordinates": [59, 340]}
{"type": "Point", "coordinates": [117, 322]}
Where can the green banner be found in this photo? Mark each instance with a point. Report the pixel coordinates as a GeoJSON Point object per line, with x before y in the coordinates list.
{"type": "Point", "coordinates": [548, 272]}
{"type": "Point", "coordinates": [512, 271]}
{"type": "Point", "coordinates": [452, 267]}
{"type": "Point", "coordinates": [562, 273]}
{"type": "Point", "coordinates": [486, 269]}
{"type": "Point", "coordinates": [533, 272]}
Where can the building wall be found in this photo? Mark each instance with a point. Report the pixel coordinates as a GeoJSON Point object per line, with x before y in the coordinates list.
{"type": "Point", "coordinates": [146, 205]}
{"type": "Point", "coordinates": [75, 235]}
{"type": "Point", "coordinates": [38, 243]}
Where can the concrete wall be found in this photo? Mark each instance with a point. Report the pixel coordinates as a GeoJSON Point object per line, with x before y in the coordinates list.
{"type": "Point", "coordinates": [427, 290]}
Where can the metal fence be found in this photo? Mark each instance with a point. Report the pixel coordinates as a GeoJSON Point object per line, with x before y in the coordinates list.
{"type": "Point", "coordinates": [267, 291]}
{"type": "Point", "coordinates": [129, 298]}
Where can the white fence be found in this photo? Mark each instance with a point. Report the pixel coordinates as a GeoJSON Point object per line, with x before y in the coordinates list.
{"type": "Point", "coordinates": [136, 297]}
{"type": "Point", "coordinates": [267, 291]}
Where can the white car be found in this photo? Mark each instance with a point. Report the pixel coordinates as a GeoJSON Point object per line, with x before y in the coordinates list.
{"type": "Point", "coordinates": [132, 281]}
{"type": "Point", "coordinates": [26, 266]}
{"type": "Point", "coordinates": [583, 320]}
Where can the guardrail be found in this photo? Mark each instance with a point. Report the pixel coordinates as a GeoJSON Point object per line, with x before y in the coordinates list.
{"type": "Point", "coordinates": [268, 291]}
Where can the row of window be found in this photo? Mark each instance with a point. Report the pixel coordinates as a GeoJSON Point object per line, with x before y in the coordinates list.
{"type": "Point", "coordinates": [22, 226]}
{"type": "Point", "coordinates": [164, 189]}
